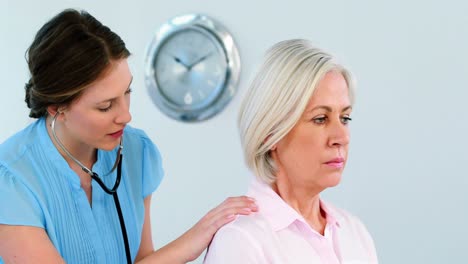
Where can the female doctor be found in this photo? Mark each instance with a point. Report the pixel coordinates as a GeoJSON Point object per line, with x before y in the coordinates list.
{"type": "Point", "coordinates": [79, 179]}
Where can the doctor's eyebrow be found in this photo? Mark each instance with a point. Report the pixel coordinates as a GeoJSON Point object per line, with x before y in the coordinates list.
{"type": "Point", "coordinates": [113, 98]}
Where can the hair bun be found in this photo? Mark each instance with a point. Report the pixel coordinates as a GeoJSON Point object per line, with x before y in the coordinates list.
{"type": "Point", "coordinates": [29, 84]}
{"type": "Point", "coordinates": [28, 91]}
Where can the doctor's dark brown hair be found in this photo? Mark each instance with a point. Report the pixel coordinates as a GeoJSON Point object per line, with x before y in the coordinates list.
{"type": "Point", "coordinates": [69, 52]}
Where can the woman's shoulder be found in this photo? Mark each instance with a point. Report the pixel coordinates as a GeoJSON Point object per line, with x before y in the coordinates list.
{"type": "Point", "coordinates": [343, 216]}
{"type": "Point", "coordinates": [136, 139]}
{"type": "Point", "coordinates": [19, 182]}
{"type": "Point", "coordinates": [136, 136]}
{"type": "Point", "coordinates": [253, 226]}
{"type": "Point", "coordinates": [353, 234]}
{"type": "Point", "coordinates": [17, 145]}
{"type": "Point", "coordinates": [135, 132]}
{"type": "Point", "coordinates": [348, 222]}
{"type": "Point", "coordinates": [143, 158]}
{"type": "Point", "coordinates": [137, 143]}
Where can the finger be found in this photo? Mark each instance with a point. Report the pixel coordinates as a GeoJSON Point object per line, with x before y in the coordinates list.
{"type": "Point", "coordinates": [223, 215]}
{"type": "Point", "coordinates": [233, 208]}
{"type": "Point", "coordinates": [241, 201]}
{"type": "Point", "coordinates": [226, 215]}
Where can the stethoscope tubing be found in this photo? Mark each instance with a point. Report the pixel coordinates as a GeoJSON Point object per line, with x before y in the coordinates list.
{"type": "Point", "coordinates": [95, 176]}
{"type": "Point", "coordinates": [123, 229]}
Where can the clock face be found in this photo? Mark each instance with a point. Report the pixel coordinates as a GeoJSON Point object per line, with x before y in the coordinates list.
{"type": "Point", "coordinates": [190, 68]}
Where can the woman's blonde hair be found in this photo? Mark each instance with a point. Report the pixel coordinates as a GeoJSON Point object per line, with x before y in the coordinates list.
{"type": "Point", "coordinates": [277, 97]}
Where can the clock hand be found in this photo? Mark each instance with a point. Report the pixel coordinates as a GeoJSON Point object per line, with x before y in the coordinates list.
{"type": "Point", "coordinates": [198, 61]}
{"type": "Point", "coordinates": [181, 62]}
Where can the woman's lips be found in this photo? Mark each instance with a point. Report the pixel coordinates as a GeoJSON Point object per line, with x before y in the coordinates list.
{"type": "Point", "coordinates": [117, 134]}
{"type": "Point", "coordinates": [336, 163]}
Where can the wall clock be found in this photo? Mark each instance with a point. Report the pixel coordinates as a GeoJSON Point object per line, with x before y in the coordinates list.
{"type": "Point", "coordinates": [192, 68]}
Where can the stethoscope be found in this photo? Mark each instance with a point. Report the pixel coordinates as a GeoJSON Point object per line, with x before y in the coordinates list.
{"type": "Point", "coordinates": [95, 176]}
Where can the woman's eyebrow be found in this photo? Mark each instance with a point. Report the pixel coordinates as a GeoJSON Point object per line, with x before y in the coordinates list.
{"type": "Point", "coordinates": [329, 109]}
{"type": "Point", "coordinates": [113, 98]}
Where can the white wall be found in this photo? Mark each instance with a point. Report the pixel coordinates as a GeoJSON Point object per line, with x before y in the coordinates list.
{"type": "Point", "coordinates": [406, 177]}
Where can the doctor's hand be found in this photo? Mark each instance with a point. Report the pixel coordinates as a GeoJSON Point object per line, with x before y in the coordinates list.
{"type": "Point", "coordinates": [197, 239]}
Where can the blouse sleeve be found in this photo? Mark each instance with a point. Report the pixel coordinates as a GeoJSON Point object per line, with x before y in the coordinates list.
{"type": "Point", "coordinates": [19, 205]}
{"type": "Point", "coordinates": [233, 245]}
{"type": "Point", "coordinates": [152, 167]}
{"type": "Point", "coordinates": [367, 240]}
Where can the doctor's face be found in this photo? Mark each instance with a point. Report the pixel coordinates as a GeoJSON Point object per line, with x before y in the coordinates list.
{"type": "Point", "coordinates": [313, 154]}
{"type": "Point", "coordinates": [97, 118]}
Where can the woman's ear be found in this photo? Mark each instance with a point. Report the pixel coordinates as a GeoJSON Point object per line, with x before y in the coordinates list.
{"type": "Point", "coordinates": [54, 109]}
{"type": "Point", "coordinates": [272, 147]}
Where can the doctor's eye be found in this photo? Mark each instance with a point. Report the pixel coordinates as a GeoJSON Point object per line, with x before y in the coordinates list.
{"type": "Point", "coordinates": [105, 109]}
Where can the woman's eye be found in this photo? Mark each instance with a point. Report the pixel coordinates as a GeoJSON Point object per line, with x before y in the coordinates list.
{"type": "Point", "coordinates": [346, 119]}
{"type": "Point", "coordinates": [129, 91]}
{"type": "Point", "coordinates": [105, 109]}
{"type": "Point", "coordinates": [319, 120]}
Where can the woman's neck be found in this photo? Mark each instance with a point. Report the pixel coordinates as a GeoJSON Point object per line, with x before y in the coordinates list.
{"type": "Point", "coordinates": [86, 155]}
{"type": "Point", "coordinates": [306, 201]}
{"type": "Point", "coordinates": [80, 152]}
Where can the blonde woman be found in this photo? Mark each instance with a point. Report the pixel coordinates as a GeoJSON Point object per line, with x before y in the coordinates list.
{"type": "Point", "coordinates": [294, 131]}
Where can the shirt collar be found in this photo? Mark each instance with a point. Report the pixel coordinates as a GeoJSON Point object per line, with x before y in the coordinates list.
{"type": "Point", "coordinates": [277, 212]}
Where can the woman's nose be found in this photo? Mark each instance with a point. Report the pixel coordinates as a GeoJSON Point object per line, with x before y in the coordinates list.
{"type": "Point", "coordinates": [339, 135]}
{"type": "Point", "coordinates": [124, 116]}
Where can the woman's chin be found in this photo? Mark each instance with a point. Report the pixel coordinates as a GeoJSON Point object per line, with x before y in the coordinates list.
{"type": "Point", "coordinates": [109, 146]}
{"type": "Point", "coordinates": [332, 180]}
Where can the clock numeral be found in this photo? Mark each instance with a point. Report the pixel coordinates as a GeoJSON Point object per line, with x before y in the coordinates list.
{"type": "Point", "coordinates": [188, 98]}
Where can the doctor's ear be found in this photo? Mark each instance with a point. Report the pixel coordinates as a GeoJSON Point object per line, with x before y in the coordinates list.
{"type": "Point", "coordinates": [54, 109]}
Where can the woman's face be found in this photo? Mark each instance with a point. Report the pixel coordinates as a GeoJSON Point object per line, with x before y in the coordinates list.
{"type": "Point", "coordinates": [97, 118]}
{"type": "Point", "coordinates": [313, 154]}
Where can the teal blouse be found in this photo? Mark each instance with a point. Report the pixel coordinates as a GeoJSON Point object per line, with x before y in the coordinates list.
{"type": "Point", "coordinates": [38, 188]}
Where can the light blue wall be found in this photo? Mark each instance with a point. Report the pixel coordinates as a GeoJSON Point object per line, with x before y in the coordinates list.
{"type": "Point", "coordinates": [406, 177]}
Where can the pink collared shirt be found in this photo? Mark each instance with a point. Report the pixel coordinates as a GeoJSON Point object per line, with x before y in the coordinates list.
{"type": "Point", "coordinates": [277, 234]}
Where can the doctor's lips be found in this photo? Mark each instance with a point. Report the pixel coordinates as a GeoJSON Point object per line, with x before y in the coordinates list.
{"type": "Point", "coordinates": [116, 134]}
{"type": "Point", "coordinates": [336, 163]}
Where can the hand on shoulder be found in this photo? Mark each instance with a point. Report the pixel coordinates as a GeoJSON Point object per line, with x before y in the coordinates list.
{"type": "Point", "coordinates": [197, 239]}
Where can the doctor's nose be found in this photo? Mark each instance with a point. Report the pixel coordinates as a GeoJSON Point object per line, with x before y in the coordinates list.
{"type": "Point", "coordinates": [124, 116]}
